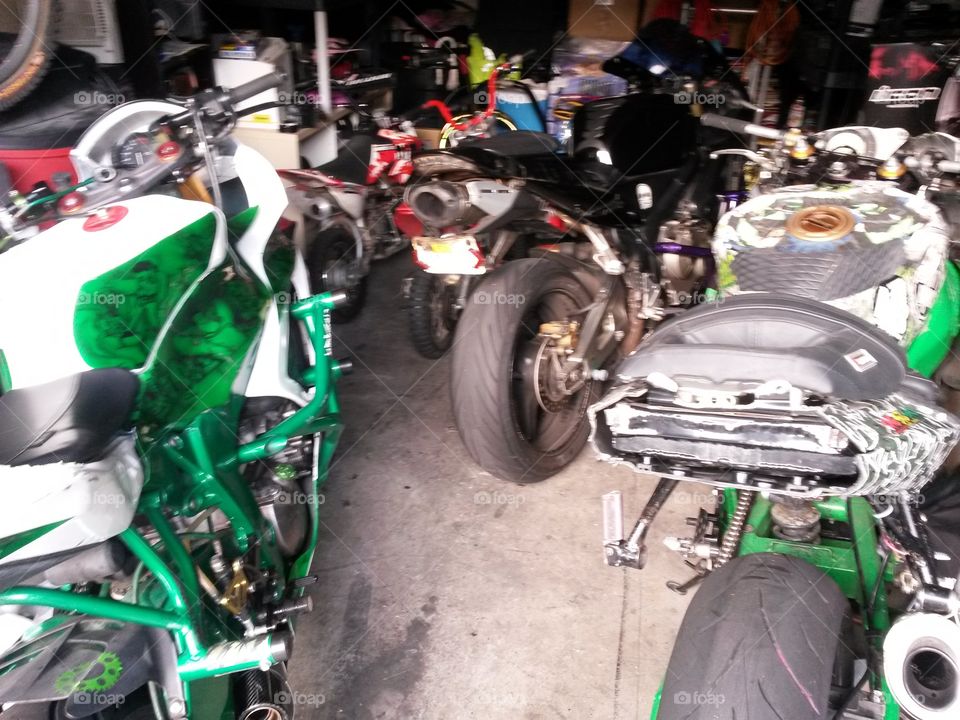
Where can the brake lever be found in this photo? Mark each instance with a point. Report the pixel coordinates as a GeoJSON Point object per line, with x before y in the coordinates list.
{"type": "Point", "coordinates": [752, 155]}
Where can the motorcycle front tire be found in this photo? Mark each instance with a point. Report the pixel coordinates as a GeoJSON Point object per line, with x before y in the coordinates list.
{"type": "Point", "coordinates": [760, 639]}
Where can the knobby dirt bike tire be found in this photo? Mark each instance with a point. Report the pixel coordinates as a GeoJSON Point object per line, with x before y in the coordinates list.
{"type": "Point", "coordinates": [760, 639]}
{"type": "Point", "coordinates": [420, 315]}
{"type": "Point", "coordinates": [25, 57]}
{"type": "Point", "coordinates": [481, 385]}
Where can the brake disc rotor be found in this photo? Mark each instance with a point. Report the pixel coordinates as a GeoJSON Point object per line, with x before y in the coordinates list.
{"type": "Point", "coordinates": [550, 397]}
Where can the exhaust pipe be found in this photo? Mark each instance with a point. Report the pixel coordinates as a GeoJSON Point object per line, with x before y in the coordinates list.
{"type": "Point", "coordinates": [264, 695]}
{"type": "Point", "coordinates": [921, 663]}
{"type": "Point", "coordinates": [438, 204]}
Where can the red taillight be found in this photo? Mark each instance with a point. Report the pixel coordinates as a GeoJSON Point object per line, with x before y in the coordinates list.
{"type": "Point", "coordinates": [556, 221]}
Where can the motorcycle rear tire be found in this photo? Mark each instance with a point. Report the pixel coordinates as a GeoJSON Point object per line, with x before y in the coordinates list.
{"type": "Point", "coordinates": [486, 349]}
{"type": "Point", "coordinates": [432, 320]}
{"type": "Point", "coordinates": [25, 57]}
{"type": "Point", "coordinates": [760, 639]}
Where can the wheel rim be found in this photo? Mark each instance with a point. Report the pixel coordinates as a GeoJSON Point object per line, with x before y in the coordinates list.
{"type": "Point", "coordinates": [339, 269]}
{"type": "Point", "coordinates": [547, 429]}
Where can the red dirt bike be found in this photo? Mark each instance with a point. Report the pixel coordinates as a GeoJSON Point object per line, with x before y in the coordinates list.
{"type": "Point", "coordinates": [437, 291]}
{"type": "Point", "coordinates": [346, 207]}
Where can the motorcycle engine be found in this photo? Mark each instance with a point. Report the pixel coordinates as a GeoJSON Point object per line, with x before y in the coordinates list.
{"type": "Point", "coordinates": [281, 482]}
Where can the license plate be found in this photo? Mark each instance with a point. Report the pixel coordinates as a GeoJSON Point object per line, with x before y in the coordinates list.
{"type": "Point", "coordinates": [449, 255]}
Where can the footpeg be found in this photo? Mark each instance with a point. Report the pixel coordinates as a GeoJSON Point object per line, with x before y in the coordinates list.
{"type": "Point", "coordinates": [632, 551]}
{"type": "Point", "coordinates": [616, 551]}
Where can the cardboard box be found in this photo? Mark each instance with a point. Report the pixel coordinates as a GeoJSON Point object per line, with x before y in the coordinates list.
{"type": "Point", "coordinates": [429, 138]}
{"type": "Point", "coordinates": [604, 19]}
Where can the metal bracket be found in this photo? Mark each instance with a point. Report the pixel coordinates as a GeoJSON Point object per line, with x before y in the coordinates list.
{"type": "Point", "coordinates": [632, 551]}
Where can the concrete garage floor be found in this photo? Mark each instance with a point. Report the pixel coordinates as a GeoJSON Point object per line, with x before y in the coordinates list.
{"type": "Point", "coordinates": [446, 593]}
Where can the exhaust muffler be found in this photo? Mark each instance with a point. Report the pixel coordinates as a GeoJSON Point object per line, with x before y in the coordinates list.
{"type": "Point", "coordinates": [921, 663]}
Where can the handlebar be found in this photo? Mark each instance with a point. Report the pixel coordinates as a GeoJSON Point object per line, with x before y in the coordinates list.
{"type": "Point", "coordinates": [951, 167]}
{"type": "Point", "coordinates": [741, 127]}
{"type": "Point", "coordinates": [255, 87]}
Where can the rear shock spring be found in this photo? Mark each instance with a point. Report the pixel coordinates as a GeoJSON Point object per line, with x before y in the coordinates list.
{"type": "Point", "coordinates": [731, 538]}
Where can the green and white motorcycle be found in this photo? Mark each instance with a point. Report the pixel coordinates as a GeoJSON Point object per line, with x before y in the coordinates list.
{"type": "Point", "coordinates": [803, 397]}
{"type": "Point", "coordinates": [168, 414]}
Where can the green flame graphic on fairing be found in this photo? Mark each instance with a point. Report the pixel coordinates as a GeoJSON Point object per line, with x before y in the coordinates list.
{"type": "Point", "coordinates": [197, 347]}
{"type": "Point", "coordinates": [120, 313]}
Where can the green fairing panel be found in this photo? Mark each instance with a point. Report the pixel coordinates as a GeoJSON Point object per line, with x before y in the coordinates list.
{"type": "Point", "coordinates": [145, 290]}
{"type": "Point", "coordinates": [278, 256]}
{"type": "Point", "coordinates": [207, 343]}
{"type": "Point", "coordinates": [199, 355]}
{"type": "Point", "coordinates": [931, 346]}
{"type": "Point", "coordinates": [11, 544]}
{"type": "Point", "coordinates": [240, 223]}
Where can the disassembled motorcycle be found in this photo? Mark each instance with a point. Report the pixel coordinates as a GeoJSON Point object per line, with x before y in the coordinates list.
{"type": "Point", "coordinates": [822, 595]}
{"type": "Point", "coordinates": [168, 416]}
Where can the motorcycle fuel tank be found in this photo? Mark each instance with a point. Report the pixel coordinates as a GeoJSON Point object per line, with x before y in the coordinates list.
{"type": "Point", "coordinates": [96, 291]}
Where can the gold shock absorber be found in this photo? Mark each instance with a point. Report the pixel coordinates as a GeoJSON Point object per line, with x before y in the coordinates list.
{"type": "Point", "coordinates": [731, 538]}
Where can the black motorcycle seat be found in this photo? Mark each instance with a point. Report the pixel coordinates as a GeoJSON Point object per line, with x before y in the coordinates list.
{"type": "Point", "coordinates": [515, 144]}
{"type": "Point", "coordinates": [759, 337]}
{"type": "Point", "coordinates": [352, 163]}
{"type": "Point", "coordinates": [71, 419]}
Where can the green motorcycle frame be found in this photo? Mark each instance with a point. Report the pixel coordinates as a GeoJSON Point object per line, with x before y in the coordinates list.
{"type": "Point", "coordinates": [210, 311]}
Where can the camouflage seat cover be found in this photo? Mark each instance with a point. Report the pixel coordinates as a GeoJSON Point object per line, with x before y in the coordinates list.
{"type": "Point", "coordinates": [887, 269]}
